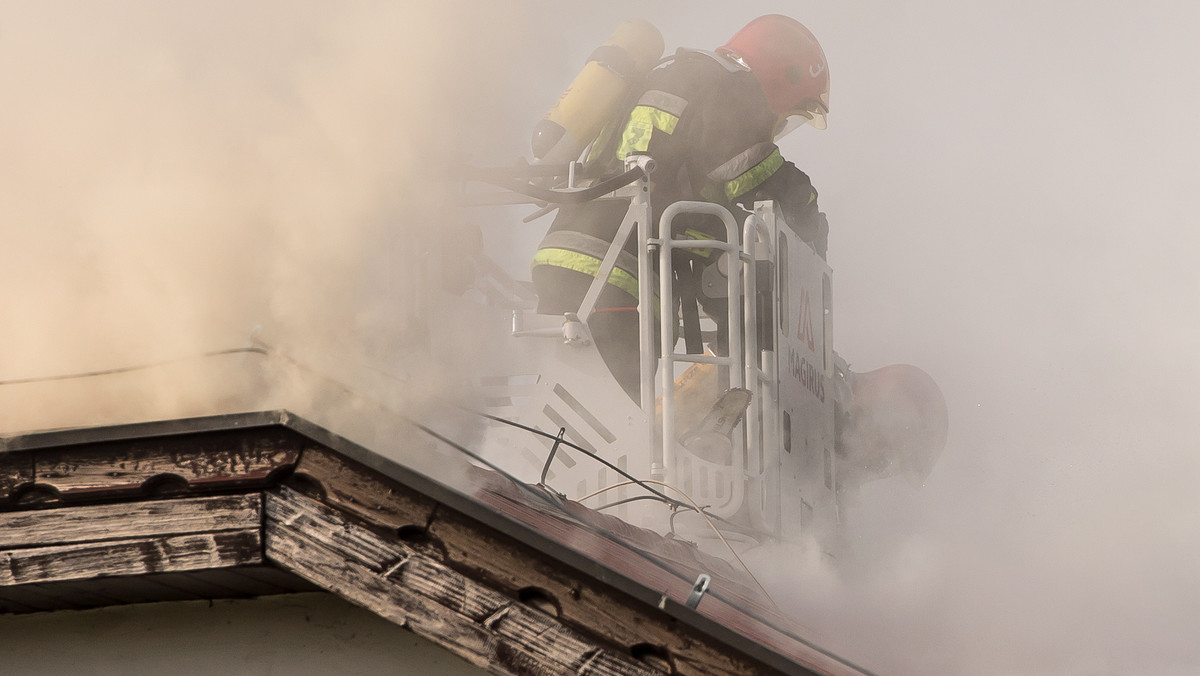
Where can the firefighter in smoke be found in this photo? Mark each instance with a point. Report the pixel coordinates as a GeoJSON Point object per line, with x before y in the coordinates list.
{"type": "Point", "coordinates": [710, 121]}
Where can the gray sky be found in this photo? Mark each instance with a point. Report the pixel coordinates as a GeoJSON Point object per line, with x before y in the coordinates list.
{"type": "Point", "coordinates": [1010, 191]}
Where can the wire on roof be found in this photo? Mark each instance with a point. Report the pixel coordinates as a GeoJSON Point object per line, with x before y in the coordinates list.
{"type": "Point", "coordinates": [254, 349]}
{"type": "Point", "coordinates": [704, 515]}
{"type": "Point", "coordinates": [632, 479]}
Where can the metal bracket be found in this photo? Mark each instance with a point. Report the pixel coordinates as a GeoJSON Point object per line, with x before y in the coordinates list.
{"type": "Point", "coordinates": [574, 332]}
{"type": "Point", "coordinates": [698, 589]}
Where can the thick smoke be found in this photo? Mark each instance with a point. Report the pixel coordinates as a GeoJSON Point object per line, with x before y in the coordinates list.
{"type": "Point", "coordinates": [1010, 190]}
{"type": "Point", "coordinates": [180, 180]}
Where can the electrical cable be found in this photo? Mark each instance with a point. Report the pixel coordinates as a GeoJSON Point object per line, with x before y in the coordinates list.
{"type": "Point", "coordinates": [568, 444]}
{"type": "Point", "coordinates": [604, 490]}
{"type": "Point", "coordinates": [625, 501]}
{"type": "Point", "coordinates": [703, 515]}
{"type": "Point", "coordinates": [137, 367]}
{"type": "Point", "coordinates": [478, 458]}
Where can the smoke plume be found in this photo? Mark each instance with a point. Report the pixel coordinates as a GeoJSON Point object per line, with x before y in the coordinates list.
{"type": "Point", "coordinates": [179, 181]}
{"type": "Point", "coordinates": [1009, 189]}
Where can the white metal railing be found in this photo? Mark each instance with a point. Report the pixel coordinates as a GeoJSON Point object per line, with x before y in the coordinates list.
{"type": "Point", "coordinates": [735, 360]}
{"type": "Point", "coordinates": [762, 420]}
{"type": "Point", "coordinates": [747, 365]}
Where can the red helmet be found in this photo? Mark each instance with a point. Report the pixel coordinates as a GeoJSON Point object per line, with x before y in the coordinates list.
{"type": "Point", "coordinates": [789, 64]}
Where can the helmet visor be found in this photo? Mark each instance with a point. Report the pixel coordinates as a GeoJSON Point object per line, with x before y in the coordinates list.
{"type": "Point", "coordinates": [810, 112]}
{"type": "Point", "coordinates": [790, 123]}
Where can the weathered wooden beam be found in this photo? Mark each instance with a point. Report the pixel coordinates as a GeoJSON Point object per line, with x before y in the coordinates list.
{"type": "Point", "coordinates": [374, 568]}
{"type": "Point", "coordinates": [358, 490]}
{"type": "Point", "coordinates": [329, 567]}
{"type": "Point", "coordinates": [85, 523]}
{"type": "Point", "coordinates": [130, 556]}
{"type": "Point", "coordinates": [515, 569]}
{"type": "Point", "coordinates": [212, 458]}
{"type": "Point", "coordinates": [16, 469]}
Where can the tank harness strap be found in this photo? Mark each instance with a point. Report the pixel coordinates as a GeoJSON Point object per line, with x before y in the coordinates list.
{"type": "Point", "coordinates": [616, 59]}
{"type": "Point", "coordinates": [747, 170]}
{"type": "Point", "coordinates": [726, 62]}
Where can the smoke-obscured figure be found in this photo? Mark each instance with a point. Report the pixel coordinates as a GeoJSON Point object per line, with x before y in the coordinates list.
{"type": "Point", "coordinates": [710, 120]}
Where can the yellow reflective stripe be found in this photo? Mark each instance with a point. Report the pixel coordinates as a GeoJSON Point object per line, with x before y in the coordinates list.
{"type": "Point", "coordinates": [643, 120]}
{"type": "Point", "coordinates": [696, 234]}
{"type": "Point", "coordinates": [711, 193]}
{"type": "Point", "coordinates": [588, 265]}
{"type": "Point", "coordinates": [754, 176]}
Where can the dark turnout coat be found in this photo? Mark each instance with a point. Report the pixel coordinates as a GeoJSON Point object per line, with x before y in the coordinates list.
{"type": "Point", "coordinates": [705, 121]}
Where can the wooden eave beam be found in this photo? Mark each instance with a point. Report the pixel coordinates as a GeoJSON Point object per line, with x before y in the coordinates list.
{"type": "Point", "coordinates": [395, 519]}
{"type": "Point", "coordinates": [396, 581]}
{"type": "Point", "coordinates": [163, 536]}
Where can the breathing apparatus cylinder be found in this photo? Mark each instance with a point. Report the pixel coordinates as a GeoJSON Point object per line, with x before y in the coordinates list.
{"type": "Point", "coordinates": [596, 93]}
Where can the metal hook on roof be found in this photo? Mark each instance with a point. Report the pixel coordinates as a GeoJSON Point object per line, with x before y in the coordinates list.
{"type": "Point", "coordinates": [550, 458]}
{"type": "Point", "coordinates": [698, 589]}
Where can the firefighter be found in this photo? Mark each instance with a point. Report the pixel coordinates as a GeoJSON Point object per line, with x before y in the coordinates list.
{"type": "Point", "coordinates": [710, 121]}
